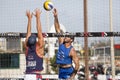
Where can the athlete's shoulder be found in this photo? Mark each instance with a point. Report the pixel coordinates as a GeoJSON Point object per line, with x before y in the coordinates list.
{"type": "Point", "coordinates": [72, 51]}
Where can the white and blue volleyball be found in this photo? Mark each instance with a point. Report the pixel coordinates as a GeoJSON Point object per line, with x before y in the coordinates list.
{"type": "Point", "coordinates": [48, 5]}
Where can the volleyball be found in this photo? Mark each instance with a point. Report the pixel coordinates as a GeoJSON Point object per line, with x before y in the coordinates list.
{"type": "Point", "coordinates": [48, 5]}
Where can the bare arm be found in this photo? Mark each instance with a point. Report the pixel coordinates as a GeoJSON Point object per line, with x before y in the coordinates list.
{"type": "Point", "coordinates": [75, 59]}
{"type": "Point", "coordinates": [39, 28]}
{"type": "Point", "coordinates": [57, 25]}
{"type": "Point", "coordinates": [40, 36]}
{"type": "Point", "coordinates": [29, 16]}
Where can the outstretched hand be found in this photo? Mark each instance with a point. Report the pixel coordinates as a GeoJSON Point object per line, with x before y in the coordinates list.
{"type": "Point", "coordinates": [37, 12]}
{"type": "Point", "coordinates": [28, 14]}
{"type": "Point", "coordinates": [55, 12]}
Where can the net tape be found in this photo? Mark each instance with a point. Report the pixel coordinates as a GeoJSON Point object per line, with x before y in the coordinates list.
{"type": "Point", "coordinates": [77, 34]}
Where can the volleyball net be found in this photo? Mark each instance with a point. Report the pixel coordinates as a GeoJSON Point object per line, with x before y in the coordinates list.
{"type": "Point", "coordinates": [77, 34]}
{"type": "Point", "coordinates": [13, 25]}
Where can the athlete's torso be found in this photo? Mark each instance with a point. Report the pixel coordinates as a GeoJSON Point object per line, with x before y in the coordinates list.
{"type": "Point", "coordinates": [33, 61]}
{"type": "Point", "coordinates": [62, 56]}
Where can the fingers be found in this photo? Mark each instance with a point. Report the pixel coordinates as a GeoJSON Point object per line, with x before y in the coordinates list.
{"type": "Point", "coordinates": [55, 9]}
{"type": "Point", "coordinates": [55, 12]}
{"type": "Point", "coordinates": [37, 12]}
{"type": "Point", "coordinates": [28, 14]}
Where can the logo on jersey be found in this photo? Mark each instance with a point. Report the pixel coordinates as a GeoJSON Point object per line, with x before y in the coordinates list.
{"type": "Point", "coordinates": [60, 55]}
{"type": "Point", "coordinates": [30, 57]}
{"type": "Point", "coordinates": [31, 63]}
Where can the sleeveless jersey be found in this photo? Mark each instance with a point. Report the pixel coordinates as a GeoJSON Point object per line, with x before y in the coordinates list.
{"type": "Point", "coordinates": [33, 61]}
{"type": "Point", "coordinates": [62, 57]}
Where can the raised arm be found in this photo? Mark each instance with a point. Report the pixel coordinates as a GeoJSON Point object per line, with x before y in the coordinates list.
{"type": "Point", "coordinates": [39, 28]}
{"type": "Point", "coordinates": [29, 16]}
{"type": "Point", "coordinates": [57, 25]}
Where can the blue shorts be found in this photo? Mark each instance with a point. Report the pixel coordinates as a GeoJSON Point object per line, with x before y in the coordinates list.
{"type": "Point", "coordinates": [65, 73]}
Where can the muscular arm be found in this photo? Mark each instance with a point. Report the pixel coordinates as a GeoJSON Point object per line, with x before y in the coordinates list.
{"type": "Point", "coordinates": [57, 25]}
{"type": "Point", "coordinates": [75, 59]}
{"type": "Point", "coordinates": [29, 15]}
{"type": "Point", "coordinates": [39, 30]}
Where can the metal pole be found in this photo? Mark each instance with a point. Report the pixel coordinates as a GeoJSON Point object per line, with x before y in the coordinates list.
{"type": "Point", "coordinates": [111, 40]}
{"type": "Point", "coordinates": [86, 41]}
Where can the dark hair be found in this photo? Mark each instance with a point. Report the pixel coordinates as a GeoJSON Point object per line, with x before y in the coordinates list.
{"type": "Point", "coordinates": [72, 37]}
{"type": "Point", "coordinates": [31, 40]}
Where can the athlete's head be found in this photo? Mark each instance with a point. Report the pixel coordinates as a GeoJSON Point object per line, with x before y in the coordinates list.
{"type": "Point", "coordinates": [72, 37]}
{"type": "Point", "coordinates": [31, 40]}
{"type": "Point", "coordinates": [68, 39]}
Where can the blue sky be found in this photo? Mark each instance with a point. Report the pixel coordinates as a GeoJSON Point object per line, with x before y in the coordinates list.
{"type": "Point", "coordinates": [13, 19]}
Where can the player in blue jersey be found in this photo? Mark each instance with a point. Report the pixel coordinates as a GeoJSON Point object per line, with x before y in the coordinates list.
{"type": "Point", "coordinates": [34, 48]}
{"type": "Point", "coordinates": [66, 55]}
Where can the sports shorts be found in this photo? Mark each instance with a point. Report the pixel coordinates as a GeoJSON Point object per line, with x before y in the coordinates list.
{"type": "Point", "coordinates": [65, 73]}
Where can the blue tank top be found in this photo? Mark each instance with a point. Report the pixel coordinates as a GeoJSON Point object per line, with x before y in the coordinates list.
{"type": "Point", "coordinates": [33, 61]}
{"type": "Point", "coordinates": [62, 57]}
